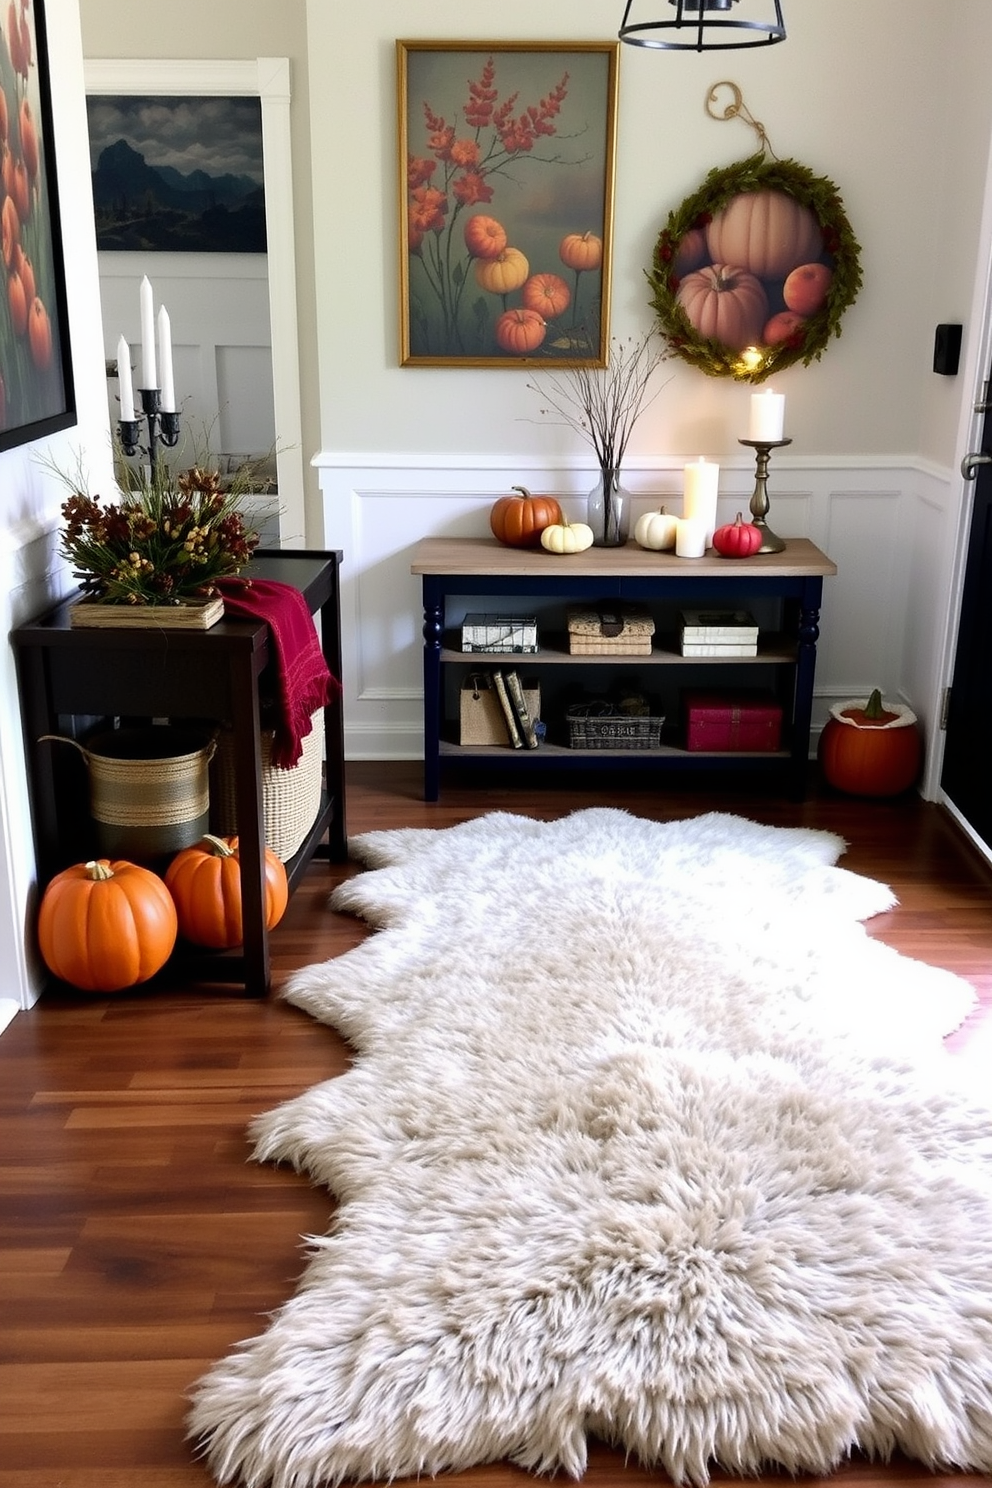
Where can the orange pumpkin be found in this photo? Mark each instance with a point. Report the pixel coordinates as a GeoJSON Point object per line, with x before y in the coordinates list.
{"type": "Point", "coordinates": [725, 304]}
{"type": "Point", "coordinates": [484, 236]}
{"type": "Point", "coordinates": [547, 294]}
{"type": "Point", "coordinates": [581, 251]}
{"type": "Point", "coordinates": [768, 233]}
{"type": "Point", "coordinates": [205, 884]}
{"type": "Point", "coordinates": [504, 273]}
{"type": "Point", "coordinates": [519, 521]}
{"type": "Point", "coordinates": [104, 925]}
{"type": "Point", "coordinates": [520, 331]}
{"type": "Point", "coordinates": [40, 335]}
{"type": "Point", "coordinates": [868, 749]}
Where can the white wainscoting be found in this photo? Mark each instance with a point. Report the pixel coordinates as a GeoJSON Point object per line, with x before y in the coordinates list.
{"type": "Point", "coordinates": [887, 523]}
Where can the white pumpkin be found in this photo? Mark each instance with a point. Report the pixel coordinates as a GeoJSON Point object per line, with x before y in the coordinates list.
{"type": "Point", "coordinates": [566, 537]}
{"type": "Point", "coordinates": [656, 530]}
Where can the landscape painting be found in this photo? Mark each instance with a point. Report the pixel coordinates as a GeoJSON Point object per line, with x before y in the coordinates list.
{"type": "Point", "coordinates": [177, 174]}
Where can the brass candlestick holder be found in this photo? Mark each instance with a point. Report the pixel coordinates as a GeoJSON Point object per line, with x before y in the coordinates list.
{"type": "Point", "coordinates": [770, 542]}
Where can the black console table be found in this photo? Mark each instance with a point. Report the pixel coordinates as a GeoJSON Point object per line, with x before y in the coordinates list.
{"type": "Point", "coordinates": [460, 574]}
{"type": "Point", "coordinates": [70, 678]}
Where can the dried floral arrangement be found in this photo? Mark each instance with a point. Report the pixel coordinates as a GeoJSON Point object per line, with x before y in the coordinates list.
{"type": "Point", "coordinates": [165, 540]}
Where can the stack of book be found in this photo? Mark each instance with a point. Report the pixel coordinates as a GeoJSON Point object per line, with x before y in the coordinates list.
{"type": "Point", "coordinates": [499, 633]}
{"type": "Point", "coordinates": [719, 633]}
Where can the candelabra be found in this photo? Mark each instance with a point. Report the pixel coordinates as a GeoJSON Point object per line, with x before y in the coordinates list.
{"type": "Point", "coordinates": [770, 543]}
{"type": "Point", "coordinates": [163, 428]}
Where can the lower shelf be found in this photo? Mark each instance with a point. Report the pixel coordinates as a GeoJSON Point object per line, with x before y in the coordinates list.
{"type": "Point", "coordinates": [558, 754]}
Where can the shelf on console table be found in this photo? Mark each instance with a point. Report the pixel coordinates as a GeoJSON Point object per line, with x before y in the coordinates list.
{"type": "Point", "coordinates": [466, 567]}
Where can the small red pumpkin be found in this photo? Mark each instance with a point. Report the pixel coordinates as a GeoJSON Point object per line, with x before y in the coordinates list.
{"type": "Point", "coordinates": [104, 925]}
{"type": "Point", "coordinates": [205, 883]}
{"type": "Point", "coordinates": [870, 749]}
{"type": "Point", "coordinates": [737, 539]}
{"type": "Point", "coordinates": [519, 521]}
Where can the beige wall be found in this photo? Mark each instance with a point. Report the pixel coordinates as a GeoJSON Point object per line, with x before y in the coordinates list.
{"type": "Point", "coordinates": [877, 97]}
{"type": "Point", "coordinates": [237, 29]}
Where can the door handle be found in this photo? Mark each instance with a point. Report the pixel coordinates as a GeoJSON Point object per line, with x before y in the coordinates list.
{"type": "Point", "coordinates": [970, 463]}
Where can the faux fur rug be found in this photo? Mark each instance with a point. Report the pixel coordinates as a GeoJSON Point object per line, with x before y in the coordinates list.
{"type": "Point", "coordinates": [646, 1138]}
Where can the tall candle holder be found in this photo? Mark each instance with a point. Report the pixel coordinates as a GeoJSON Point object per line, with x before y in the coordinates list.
{"type": "Point", "coordinates": [770, 542]}
{"type": "Point", "coordinates": [163, 428]}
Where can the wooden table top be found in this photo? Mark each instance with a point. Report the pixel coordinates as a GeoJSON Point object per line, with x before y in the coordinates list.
{"type": "Point", "coordinates": [485, 555]}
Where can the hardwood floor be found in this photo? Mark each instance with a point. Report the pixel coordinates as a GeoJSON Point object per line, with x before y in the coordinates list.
{"type": "Point", "coordinates": [138, 1243]}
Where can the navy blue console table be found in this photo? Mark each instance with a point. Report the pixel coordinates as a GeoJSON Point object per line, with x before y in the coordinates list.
{"type": "Point", "coordinates": [462, 575]}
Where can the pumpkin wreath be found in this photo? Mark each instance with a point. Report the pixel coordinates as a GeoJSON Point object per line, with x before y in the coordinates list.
{"type": "Point", "coordinates": [755, 269]}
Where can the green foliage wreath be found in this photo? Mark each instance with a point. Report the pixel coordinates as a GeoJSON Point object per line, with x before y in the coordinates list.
{"type": "Point", "coordinates": [840, 248]}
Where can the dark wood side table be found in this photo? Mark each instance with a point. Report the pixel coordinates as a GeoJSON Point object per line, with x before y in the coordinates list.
{"type": "Point", "coordinates": [71, 678]}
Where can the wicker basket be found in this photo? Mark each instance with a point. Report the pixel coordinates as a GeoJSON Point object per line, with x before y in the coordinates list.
{"type": "Point", "coordinates": [290, 798]}
{"type": "Point", "coordinates": [601, 726]}
{"type": "Point", "coordinates": [149, 789]}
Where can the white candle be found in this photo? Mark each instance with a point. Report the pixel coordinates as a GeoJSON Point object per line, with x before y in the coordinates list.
{"type": "Point", "coordinates": [701, 480]}
{"type": "Point", "coordinates": [168, 401]}
{"type": "Point", "coordinates": [148, 375]}
{"type": "Point", "coordinates": [124, 379]}
{"type": "Point", "coordinates": [767, 417]}
{"type": "Point", "coordinates": [690, 538]}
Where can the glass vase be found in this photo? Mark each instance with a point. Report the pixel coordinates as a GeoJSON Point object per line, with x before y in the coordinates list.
{"type": "Point", "coordinates": [608, 510]}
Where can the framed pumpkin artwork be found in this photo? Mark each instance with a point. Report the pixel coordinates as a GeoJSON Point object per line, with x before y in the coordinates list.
{"type": "Point", "coordinates": [755, 269]}
{"type": "Point", "coordinates": [506, 170]}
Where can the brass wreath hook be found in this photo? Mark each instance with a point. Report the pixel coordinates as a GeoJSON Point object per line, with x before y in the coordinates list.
{"type": "Point", "coordinates": [737, 109]}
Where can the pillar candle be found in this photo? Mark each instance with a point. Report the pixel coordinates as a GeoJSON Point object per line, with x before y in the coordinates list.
{"type": "Point", "coordinates": [690, 538]}
{"type": "Point", "coordinates": [767, 417]}
{"type": "Point", "coordinates": [701, 479]}
{"type": "Point", "coordinates": [149, 378]}
{"type": "Point", "coordinates": [124, 380]}
{"type": "Point", "coordinates": [168, 402]}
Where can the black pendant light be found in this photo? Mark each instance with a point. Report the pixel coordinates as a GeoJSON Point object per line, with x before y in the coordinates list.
{"type": "Point", "coordinates": [705, 25]}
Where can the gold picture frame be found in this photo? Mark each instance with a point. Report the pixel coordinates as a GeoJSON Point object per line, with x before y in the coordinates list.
{"type": "Point", "coordinates": [506, 177]}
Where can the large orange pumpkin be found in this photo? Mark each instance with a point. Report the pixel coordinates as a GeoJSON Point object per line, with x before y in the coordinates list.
{"type": "Point", "coordinates": [725, 304]}
{"type": "Point", "coordinates": [205, 883]}
{"type": "Point", "coordinates": [519, 521]}
{"type": "Point", "coordinates": [870, 748]}
{"type": "Point", "coordinates": [503, 274]}
{"type": "Point", "coordinates": [104, 925]}
{"type": "Point", "coordinates": [520, 331]}
{"type": "Point", "coordinates": [548, 294]}
{"type": "Point", "coordinates": [766, 232]}
{"type": "Point", "coordinates": [581, 251]}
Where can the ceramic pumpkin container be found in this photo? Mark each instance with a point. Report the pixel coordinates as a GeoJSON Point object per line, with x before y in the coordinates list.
{"type": "Point", "coordinates": [768, 233]}
{"type": "Point", "coordinates": [105, 925]}
{"type": "Point", "coordinates": [870, 748]}
{"type": "Point", "coordinates": [725, 304]}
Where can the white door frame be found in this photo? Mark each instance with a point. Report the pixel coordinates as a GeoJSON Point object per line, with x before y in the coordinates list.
{"type": "Point", "coordinates": [265, 78]}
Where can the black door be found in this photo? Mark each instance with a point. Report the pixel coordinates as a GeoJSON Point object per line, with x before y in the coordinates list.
{"type": "Point", "coordinates": [967, 771]}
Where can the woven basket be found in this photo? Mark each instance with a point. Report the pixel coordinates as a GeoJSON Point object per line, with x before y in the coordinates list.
{"type": "Point", "coordinates": [149, 789]}
{"type": "Point", "coordinates": [290, 798]}
{"type": "Point", "coordinates": [600, 726]}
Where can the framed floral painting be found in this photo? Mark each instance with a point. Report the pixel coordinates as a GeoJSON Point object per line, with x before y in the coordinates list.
{"type": "Point", "coordinates": [36, 387]}
{"type": "Point", "coordinates": [506, 170]}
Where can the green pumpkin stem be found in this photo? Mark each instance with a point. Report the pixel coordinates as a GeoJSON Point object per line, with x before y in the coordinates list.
{"type": "Point", "coordinates": [873, 707]}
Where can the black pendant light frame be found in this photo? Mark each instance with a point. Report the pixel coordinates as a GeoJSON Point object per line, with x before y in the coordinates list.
{"type": "Point", "coordinates": [694, 18]}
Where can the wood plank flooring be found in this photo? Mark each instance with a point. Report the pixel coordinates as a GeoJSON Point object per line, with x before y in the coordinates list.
{"type": "Point", "coordinates": [138, 1243]}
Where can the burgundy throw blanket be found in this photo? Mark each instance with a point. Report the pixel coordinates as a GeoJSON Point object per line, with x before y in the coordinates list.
{"type": "Point", "coordinates": [301, 677]}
